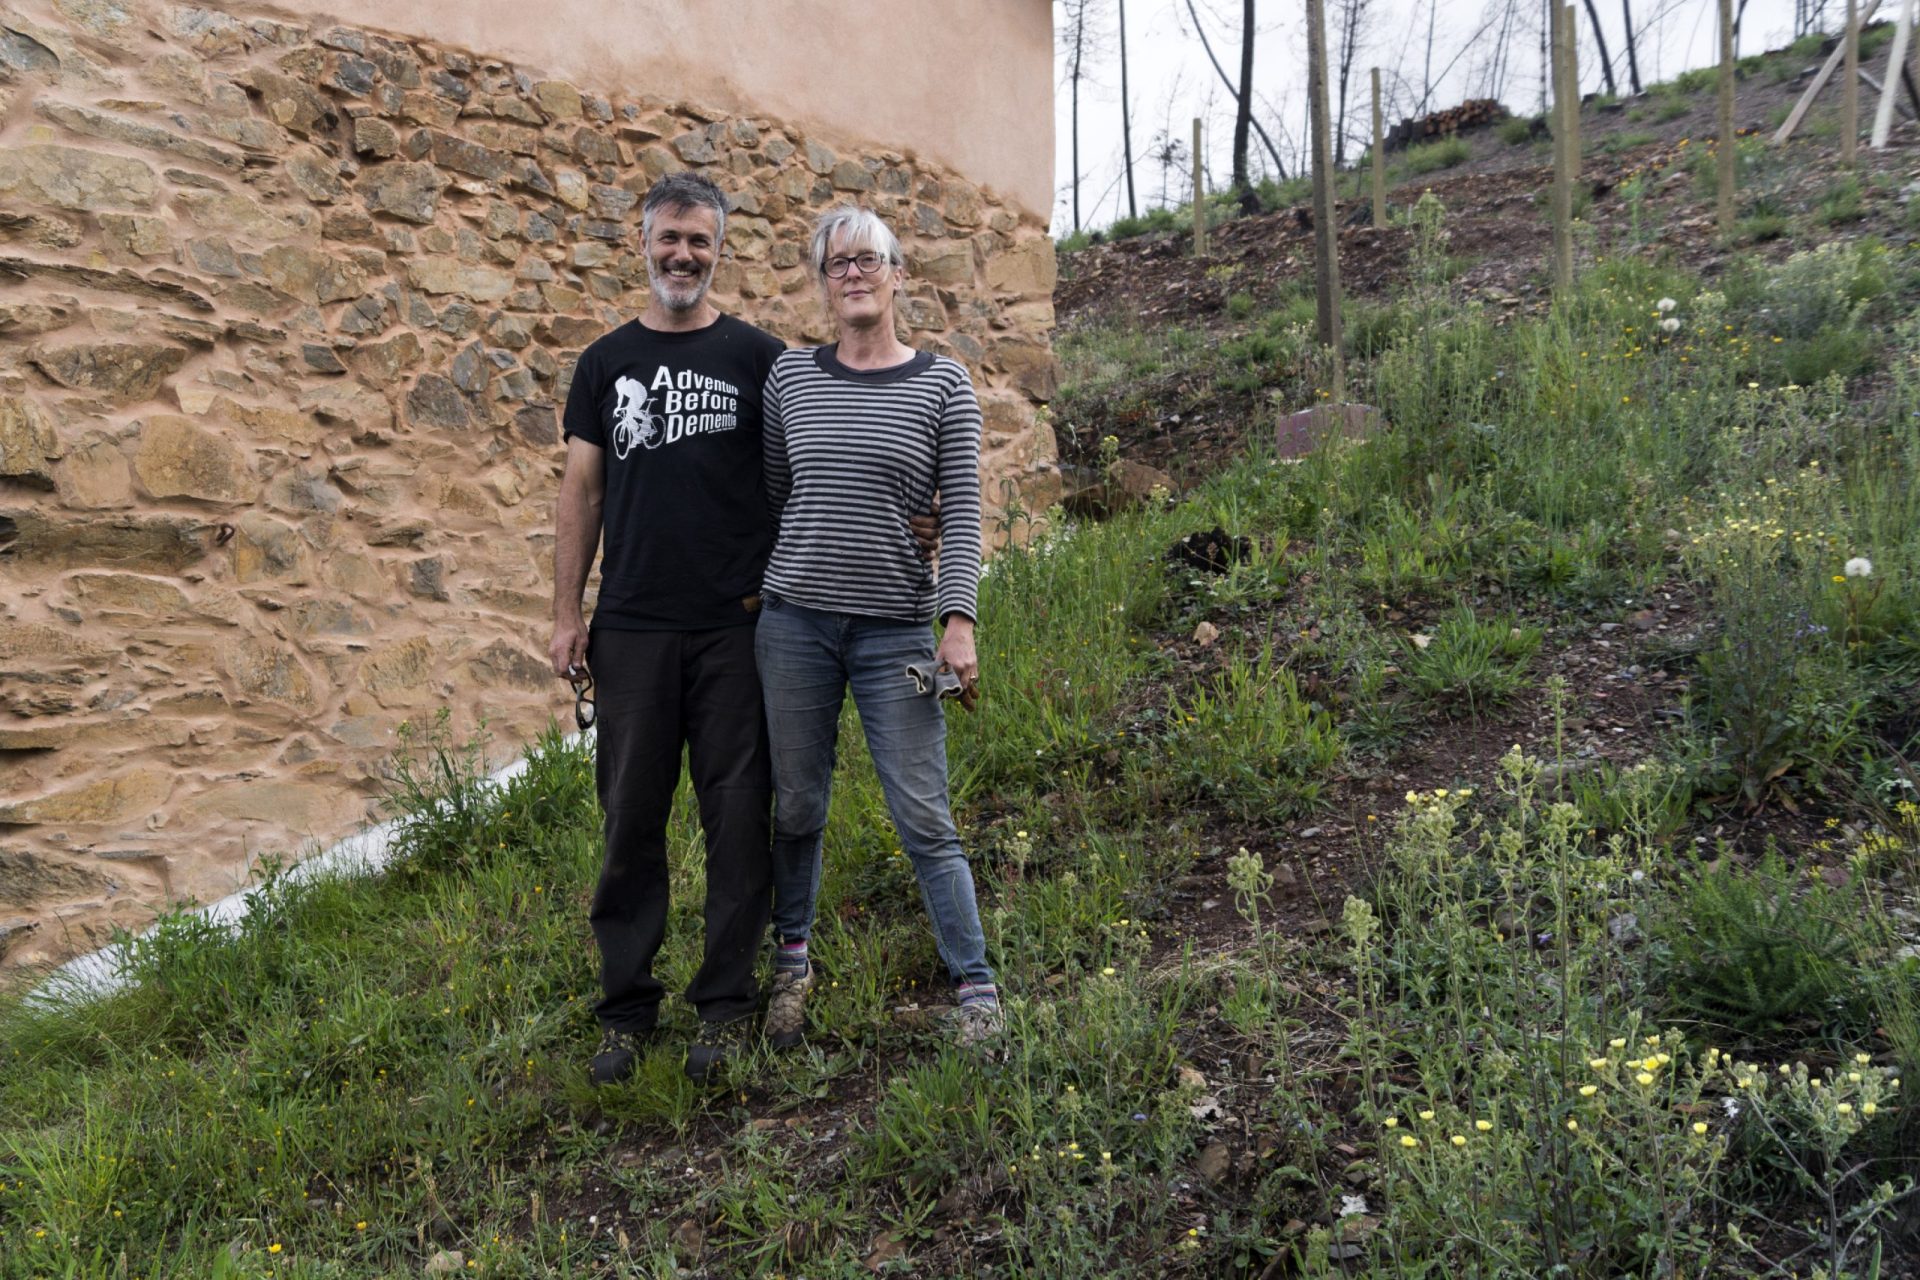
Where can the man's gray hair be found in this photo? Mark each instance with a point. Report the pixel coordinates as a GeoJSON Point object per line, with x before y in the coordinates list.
{"type": "Point", "coordinates": [864, 231]}
{"type": "Point", "coordinates": [678, 192]}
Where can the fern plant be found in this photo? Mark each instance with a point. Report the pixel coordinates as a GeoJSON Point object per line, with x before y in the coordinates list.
{"type": "Point", "coordinates": [1763, 951]}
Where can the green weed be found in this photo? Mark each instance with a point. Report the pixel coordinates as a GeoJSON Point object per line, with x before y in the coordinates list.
{"type": "Point", "coordinates": [1470, 663]}
{"type": "Point", "coordinates": [1515, 130]}
{"type": "Point", "coordinates": [1764, 953]}
{"type": "Point", "coordinates": [1431, 157]}
{"type": "Point", "coordinates": [1247, 739]}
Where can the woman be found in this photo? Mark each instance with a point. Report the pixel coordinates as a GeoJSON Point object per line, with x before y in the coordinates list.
{"type": "Point", "coordinates": [860, 434]}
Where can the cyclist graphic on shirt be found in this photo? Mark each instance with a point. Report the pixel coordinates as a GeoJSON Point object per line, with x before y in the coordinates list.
{"type": "Point", "coordinates": [634, 421]}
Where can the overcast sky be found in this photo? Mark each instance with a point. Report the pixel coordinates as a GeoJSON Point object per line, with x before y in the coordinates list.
{"type": "Point", "coordinates": [1170, 80]}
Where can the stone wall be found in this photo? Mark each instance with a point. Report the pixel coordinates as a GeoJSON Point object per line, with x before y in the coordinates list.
{"type": "Point", "coordinates": [288, 310]}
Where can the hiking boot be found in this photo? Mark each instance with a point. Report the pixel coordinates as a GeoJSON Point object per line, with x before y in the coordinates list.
{"type": "Point", "coordinates": [976, 1023]}
{"type": "Point", "coordinates": [619, 1054]}
{"type": "Point", "coordinates": [717, 1042]}
{"type": "Point", "coordinates": [787, 1009]}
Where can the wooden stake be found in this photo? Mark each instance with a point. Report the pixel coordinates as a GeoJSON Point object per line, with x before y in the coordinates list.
{"type": "Point", "coordinates": [1570, 24]}
{"type": "Point", "coordinates": [1883, 118]}
{"type": "Point", "coordinates": [1850, 89]}
{"type": "Point", "coordinates": [1723, 169]}
{"type": "Point", "coordinates": [1199, 196]}
{"type": "Point", "coordinates": [1873, 84]}
{"type": "Point", "coordinates": [1379, 158]}
{"type": "Point", "coordinates": [1562, 158]}
{"type": "Point", "coordinates": [1827, 69]}
{"type": "Point", "coordinates": [1326, 238]}
{"type": "Point", "coordinates": [1914, 85]}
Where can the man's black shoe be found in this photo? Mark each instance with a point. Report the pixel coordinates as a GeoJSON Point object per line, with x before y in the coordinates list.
{"type": "Point", "coordinates": [717, 1042]}
{"type": "Point", "coordinates": [619, 1054]}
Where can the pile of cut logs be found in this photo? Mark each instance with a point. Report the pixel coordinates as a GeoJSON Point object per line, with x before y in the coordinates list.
{"type": "Point", "coordinates": [1475, 114]}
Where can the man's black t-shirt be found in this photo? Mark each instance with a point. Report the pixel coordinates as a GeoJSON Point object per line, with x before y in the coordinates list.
{"type": "Point", "coordinates": [685, 532]}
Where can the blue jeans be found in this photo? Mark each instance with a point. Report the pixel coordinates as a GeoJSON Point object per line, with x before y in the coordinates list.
{"type": "Point", "coordinates": [808, 658]}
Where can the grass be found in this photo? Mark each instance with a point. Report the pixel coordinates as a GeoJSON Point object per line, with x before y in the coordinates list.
{"type": "Point", "coordinates": [1516, 130]}
{"type": "Point", "coordinates": [1627, 141]}
{"type": "Point", "coordinates": [1841, 203]}
{"type": "Point", "coordinates": [1431, 157]}
{"type": "Point", "coordinates": [1454, 1024]}
{"type": "Point", "coordinates": [1178, 219]}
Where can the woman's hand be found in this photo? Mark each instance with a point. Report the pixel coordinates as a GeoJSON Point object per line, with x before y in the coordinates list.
{"type": "Point", "coordinates": [956, 654]}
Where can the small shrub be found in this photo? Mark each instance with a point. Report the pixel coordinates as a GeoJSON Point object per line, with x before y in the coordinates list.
{"type": "Point", "coordinates": [1294, 312]}
{"type": "Point", "coordinates": [1832, 351]}
{"type": "Point", "coordinates": [1150, 221]}
{"type": "Point", "coordinates": [1433, 156]}
{"type": "Point", "coordinates": [1371, 329]}
{"type": "Point", "coordinates": [1763, 951]}
{"type": "Point", "coordinates": [1810, 45]}
{"type": "Point", "coordinates": [1841, 203]}
{"type": "Point", "coordinates": [443, 798]}
{"type": "Point", "coordinates": [1671, 109]}
{"type": "Point", "coordinates": [1240, 382]}
{"type": "Point", "coordinates": [1074, 241]}
{"type": "Point", "coordinates": [1772, 693]}
{"type": "Point", "coordinates": [1240, 305]}
{"type": "Point", "coordinates": [1274, 195]}
{"type": "Point", "coordinates": [1377, 718]}
{"type": "Point", "coordinates": [1253, 349]}
{"type": "Point", "coordinates": [1696, 80]}
{"type": "Point", "coordinates": [1760, 228]}
{"type": "Point", "coordinates": [1826, 287]}
{"type": "Point", "coordinates": [1515, 130]}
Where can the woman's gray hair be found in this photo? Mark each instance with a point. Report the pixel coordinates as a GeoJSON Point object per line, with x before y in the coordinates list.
{"type": "Point", "coordinates": [864, 231]}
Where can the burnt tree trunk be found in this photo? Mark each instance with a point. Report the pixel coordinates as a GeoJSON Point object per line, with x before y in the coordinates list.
{"type": "Point", "coordinates": [1243, 116]}
{"type": "Point", "coordinates": [1606, 59]}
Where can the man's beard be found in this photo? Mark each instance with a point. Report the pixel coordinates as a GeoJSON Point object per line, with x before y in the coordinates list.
{"type": "Point", "coordinates": [668, 289]}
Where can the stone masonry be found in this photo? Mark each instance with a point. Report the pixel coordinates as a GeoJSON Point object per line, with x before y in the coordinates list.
{"type": "Point", "coordinates": [286, 316]}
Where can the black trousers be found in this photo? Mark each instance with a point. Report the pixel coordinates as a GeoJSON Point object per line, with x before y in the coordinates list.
{"type": "Point", "coordinates": [657, 691]}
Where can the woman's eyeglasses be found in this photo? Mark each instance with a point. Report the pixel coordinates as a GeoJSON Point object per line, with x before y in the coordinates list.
{"type": "Point", "coordinates": [869, 263]}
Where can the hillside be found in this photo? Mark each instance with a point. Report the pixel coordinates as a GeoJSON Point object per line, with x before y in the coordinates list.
{"type": "Point", "coordinates": [1488, 847]}
{"type": "Point", "coordinates": [1647, 180]}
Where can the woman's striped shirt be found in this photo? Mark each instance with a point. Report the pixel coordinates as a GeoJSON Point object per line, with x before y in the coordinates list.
{"type": "Point", "coordinates": [850, 455]}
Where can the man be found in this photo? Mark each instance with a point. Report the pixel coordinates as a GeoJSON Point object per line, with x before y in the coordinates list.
{"type": "Point", "coordinates": [663, 455]}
